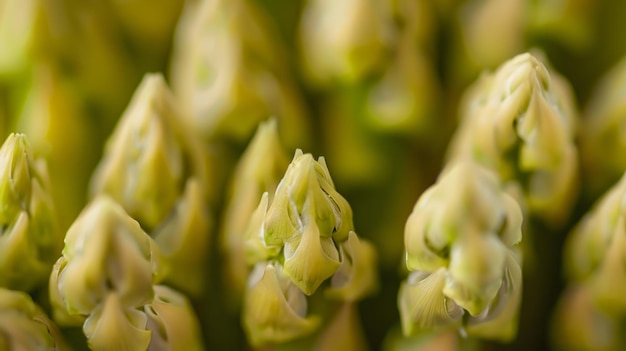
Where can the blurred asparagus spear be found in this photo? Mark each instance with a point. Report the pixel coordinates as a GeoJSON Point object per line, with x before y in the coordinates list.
{"type": "Point", "coordinates": [53, 117]}
{"type": "Point", "coordinates": [521, 121]}
{"type": "Point", "coordinates": [462, 250]}
{"type": "Point", "coordinates": [150, 32]}
{"type": "Point", "coordinates": [230, 73]}
{"type": "Point", "coordinates": [31, 241]}
{"type": "Point", "coordinates": [344, 41]}
{"type": "Point", "coordinates": [153, 167]}
{"type": "Point", "coordinates": [24, 326]}
{"type": "Point", "coordinates": [372, 63]}
{"type": "Point", "coordinates": [486, 33]}
{"type": "Point", "coordinates": [594, 257]}
{"type": "Point", "coordinates": [605, 116]}
{"type": "Point", "coordinates": [259, 170]}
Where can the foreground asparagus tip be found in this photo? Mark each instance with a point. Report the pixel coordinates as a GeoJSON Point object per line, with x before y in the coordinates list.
{"type": "Point", "coordinates": [106, 273]}
{"type": "Point", "coordinates": [300, 240]}
{"type": "Point", "coordinates": [308, 216]}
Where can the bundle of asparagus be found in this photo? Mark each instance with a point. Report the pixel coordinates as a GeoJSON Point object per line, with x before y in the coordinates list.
{"type": "Point", "coordinates": [175, 226]}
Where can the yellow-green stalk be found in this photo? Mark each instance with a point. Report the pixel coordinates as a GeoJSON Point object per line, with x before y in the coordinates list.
{"type": "Point", "coordinates": [462, 250]}
{"type": "Point", "coordinates": [24, 325]}
{"type": "Point", "coordinates": [31, 241]}
{"type": "Point", "coordinates": [521, 122]}
{"type": "Point", "coordinates": [153, 167]}
{"type": "Point", "coordinates": [303, 240]}
{"type": "Point", "coordinates": [230, 73]}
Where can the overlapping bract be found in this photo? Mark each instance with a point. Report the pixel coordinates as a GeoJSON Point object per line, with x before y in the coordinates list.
{"type": "Point", "coordinates": [521, 122]}
{"type": "Point", "coordinates": [461, 246]}
{"type": "Point", "coordinates": [153, 167]}
{"type": "Point", "coordinates": [105, 281]}
{"type": "Point", "coordinates": [30, 240]}
{"type": "Point", "coordinates": [299, 241]}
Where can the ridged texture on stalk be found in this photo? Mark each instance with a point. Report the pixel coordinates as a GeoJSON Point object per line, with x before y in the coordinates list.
{"type": "Point", "coordinates": [153, 167]}
{"type": "Point", "coordinates": [24, 326]}
{"type": "Point", "coordinates": [300, 240]}
{"type": "Point", "coordinates": [520, 121]}
{"type": "Point", "coordinates": [30, 241]}
{"type": "Point", "coordinates": [461, 246]}
{"type": "Point", "coordinates": [230, 73]}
